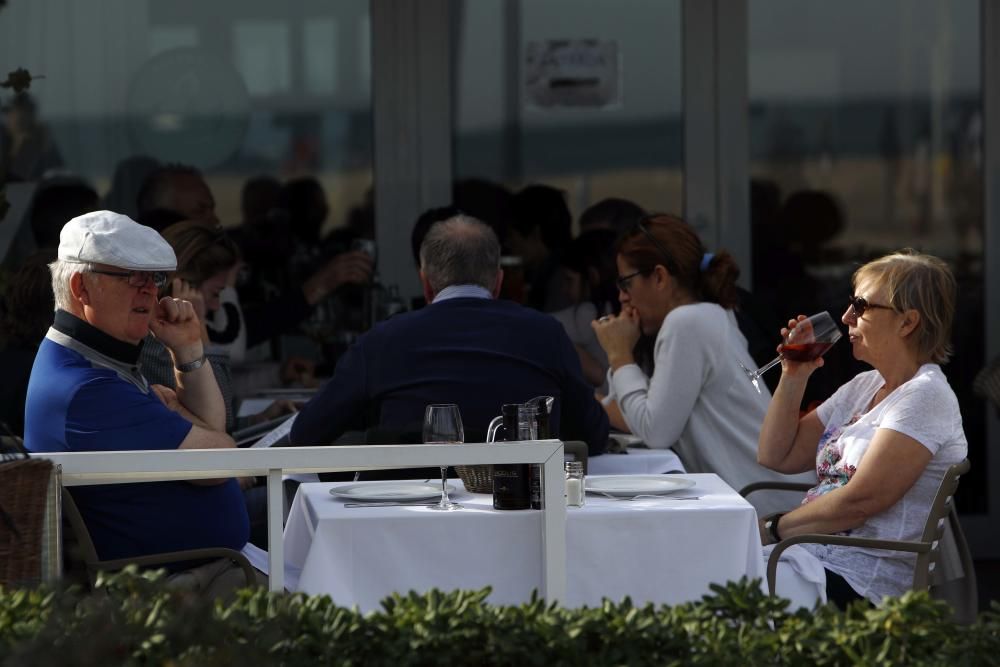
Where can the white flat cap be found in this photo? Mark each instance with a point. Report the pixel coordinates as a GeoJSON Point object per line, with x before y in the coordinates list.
{"type": "Point", "coordinates": [105, 237]}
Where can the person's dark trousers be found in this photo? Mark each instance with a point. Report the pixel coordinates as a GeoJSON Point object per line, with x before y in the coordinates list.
{"type": "Point", "coordinates": [840, 593]}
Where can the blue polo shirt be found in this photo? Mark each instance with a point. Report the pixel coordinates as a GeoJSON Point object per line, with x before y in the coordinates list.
{"type": "Point", "coordinates": [86, 394]}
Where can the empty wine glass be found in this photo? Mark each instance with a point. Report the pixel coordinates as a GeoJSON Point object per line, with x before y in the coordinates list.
{"type": "Point", "coordinates": [443, 425]}
{"type": "Point", "coordinates": [809, 339]}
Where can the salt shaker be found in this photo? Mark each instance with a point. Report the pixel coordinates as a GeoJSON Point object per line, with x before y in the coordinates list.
{"type": "Point", "coordinates": [574, 484]}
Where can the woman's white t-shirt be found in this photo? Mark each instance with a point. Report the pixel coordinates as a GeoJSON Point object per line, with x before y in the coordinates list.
{"type": "Point", "coordinates": [923, 408]}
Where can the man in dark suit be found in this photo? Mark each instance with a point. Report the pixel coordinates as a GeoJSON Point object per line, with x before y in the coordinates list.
{"type": "Point", "coordinates": [465, 347]}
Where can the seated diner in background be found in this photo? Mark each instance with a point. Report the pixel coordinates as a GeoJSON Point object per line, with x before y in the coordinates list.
{"type": "Point", "coordinates": [698, 400]}
{"type": "Point", "coordinates": [882, 443]}
{"type": "Point", "coordinates": [86, 395]}
{"type": "Point", "coordinates": [587, 274]}
{"type": "Point", "coordinates": [206, 257]}
{"type": "Point", "coordinates": [465, 347]}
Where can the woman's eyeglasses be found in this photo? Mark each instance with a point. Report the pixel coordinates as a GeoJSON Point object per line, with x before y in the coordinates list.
{"type": "Point", "coordinates": [626, 281]}
{"type": "Point", "coordinates": [860, 305]}
{"type": "Point", "coordinates": [137, 278]}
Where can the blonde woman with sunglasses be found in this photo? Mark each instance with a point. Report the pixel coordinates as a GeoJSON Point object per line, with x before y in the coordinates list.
{"type": "Point", "coordinates": [882, 443]}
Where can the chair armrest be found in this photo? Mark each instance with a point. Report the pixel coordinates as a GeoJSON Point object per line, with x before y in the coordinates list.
{"type": "Point", "coordinates": [774, 486]}
{"type": "Point", "coordinates": [181, 556]}
{"type": "Point", "coordinates": [838, 540]}
{"type": "Point", "coordinates": [578, 448]}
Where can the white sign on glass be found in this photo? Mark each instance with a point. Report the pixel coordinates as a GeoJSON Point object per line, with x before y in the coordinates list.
{"type": "Point", "coordinates": [572, 73]}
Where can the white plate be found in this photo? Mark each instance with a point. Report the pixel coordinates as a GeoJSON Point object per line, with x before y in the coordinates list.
{"type": "Point", "coordinates": [634, 485]}
{"type": "Point", "coordinates": [402, 491]}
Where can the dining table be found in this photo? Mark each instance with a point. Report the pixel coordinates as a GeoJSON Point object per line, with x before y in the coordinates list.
{"type": "Point", "coordinates": [667, 548]}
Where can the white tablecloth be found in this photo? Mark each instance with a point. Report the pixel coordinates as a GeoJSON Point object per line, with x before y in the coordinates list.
{"type": "Point", "coordinates": [658, 550]}
{"type": "Point", "coordinates": [636, 462]}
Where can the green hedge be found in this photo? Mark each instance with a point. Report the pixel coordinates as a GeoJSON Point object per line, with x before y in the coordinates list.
{"type": "Point", "coordinates": [132, 620]}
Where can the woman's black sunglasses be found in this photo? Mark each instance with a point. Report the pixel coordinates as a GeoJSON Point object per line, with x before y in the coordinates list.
{"type": "Point", "coordinates": [860, 305]}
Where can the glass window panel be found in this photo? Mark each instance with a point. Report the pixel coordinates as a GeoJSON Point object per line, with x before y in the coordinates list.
{"type": "Point", "coordinates": [320, 51]}
{"type": "Point", "coordinates": [866, 136]}
{"type": "Point", "coordinates": [208, 84]}
{"type": "Point", "coordinates": [519, 122]}
{"type": "Point", "coordinates": [262, 53]}
{"type": "Point", "coordinates": [364, 57]}
{"type": "Point", "coordinates": [164, 38]}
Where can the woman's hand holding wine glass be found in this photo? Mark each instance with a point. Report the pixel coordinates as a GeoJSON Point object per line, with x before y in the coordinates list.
{"type": "Point", "coordinates": [805, 340]}
{"type": "Point", "coordinates": [800, 358]}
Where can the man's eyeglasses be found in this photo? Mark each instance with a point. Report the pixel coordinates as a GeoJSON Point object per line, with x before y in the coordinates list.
{"type": "Point", "coordinates": [626, 281]}
{"type": "Point", "coordinates": [860, 305]}
{"type": "Point", "coordinates": [137, 278]}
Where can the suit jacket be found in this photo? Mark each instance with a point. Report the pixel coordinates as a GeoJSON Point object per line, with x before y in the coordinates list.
{"type": "Point", "coordinates": [478, 353]}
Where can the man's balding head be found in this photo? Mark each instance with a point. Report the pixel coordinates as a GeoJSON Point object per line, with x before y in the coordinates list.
{"type": "Point", "coordinates": [460, 251]}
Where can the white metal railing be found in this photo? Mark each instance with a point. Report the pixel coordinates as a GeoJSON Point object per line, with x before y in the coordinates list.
{"type": "Point", "coordinates": [121, 467]}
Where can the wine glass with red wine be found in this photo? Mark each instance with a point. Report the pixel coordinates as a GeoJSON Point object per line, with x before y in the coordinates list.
{"type": "Point", "coordinates": [808, 340]}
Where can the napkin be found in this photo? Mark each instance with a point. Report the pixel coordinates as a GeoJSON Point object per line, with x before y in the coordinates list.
{"type": "Point", "coordinates": [259, 559]}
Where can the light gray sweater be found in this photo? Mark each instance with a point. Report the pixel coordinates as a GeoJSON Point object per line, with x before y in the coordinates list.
{"type": "Point", "coordinates": [700, 402]}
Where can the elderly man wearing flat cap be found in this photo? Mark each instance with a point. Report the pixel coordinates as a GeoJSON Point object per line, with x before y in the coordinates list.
{"type": "Point", "coordinates": [86, 394]}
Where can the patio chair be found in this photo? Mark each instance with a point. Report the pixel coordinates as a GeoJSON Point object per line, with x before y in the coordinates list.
{"type": "Point", "coordinates": [29, 526]}
{"type": "Point", "coordinates": [926, 573]}
{"type": "Point", "coordinates": [94, 564]}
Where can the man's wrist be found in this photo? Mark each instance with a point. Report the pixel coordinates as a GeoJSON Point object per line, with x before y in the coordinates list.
{"type": "Point", "coordinates": [191, 357]}
{"type": "Point", "coordinates": [192, 365]}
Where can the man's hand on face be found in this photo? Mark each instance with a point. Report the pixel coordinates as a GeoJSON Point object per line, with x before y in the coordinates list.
{"type": "Point", "coordinates": [182, 289]}
{"type": "Point", "coordinates": [176, 325]}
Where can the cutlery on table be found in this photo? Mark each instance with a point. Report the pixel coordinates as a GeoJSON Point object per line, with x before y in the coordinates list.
{"type": "Point", "coordinates": [646, 496]}
{"type": "Point", "coordinates": [391, 503]}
